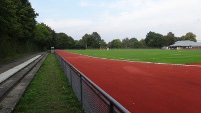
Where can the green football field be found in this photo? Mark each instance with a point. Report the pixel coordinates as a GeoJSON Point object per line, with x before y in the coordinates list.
{"type": "Point", "coordinates": [146, 55]}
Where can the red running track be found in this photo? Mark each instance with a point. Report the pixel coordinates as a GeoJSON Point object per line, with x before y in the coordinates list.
{"type": "Point", "coordinates": [144, 87]}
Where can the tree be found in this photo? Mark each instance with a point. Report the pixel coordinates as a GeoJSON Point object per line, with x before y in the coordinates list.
{"type": "Point", "coordinates": [133, 42]}
{"type": "Point", "coordinates": [17, 26]}
{"type": "Point", "coordinates": [7, 22]}
{"type": "Point", "coordinates": [126, 43]}
{"type": "Point", "coordinates": [116, 43]}
{"type": "Point", "coordinates": [96, 40]}
{"type": "Point", "coordinates": [43, 35]}
{"type": "Point", "coordinates": [7, 17]}
{"type": "Point", "coordinates": [92, 40]}
{"type": "Point", "coordinates": [103, 43]}
{"type": "Point", "coordinates": [26, 20]}
{"type": "Point", "coordinates": [71, 43]}
{"type": "Point", "coordinates": [142, 43]}
{"type": "Point", "coordinates": [85, 40]}
{"type": "Point", "coordinates": [17, 18]}
{"type": "Point", "coordinates": [63, 41]}
{"type": "Point", "coordinates": [154, 40]}
{"type": "Point", "coordinates": [79, 44]}
{"type": "Point", "coordinates": [189, 36]}
{"type": "Point", "coordinates": [169, 39]}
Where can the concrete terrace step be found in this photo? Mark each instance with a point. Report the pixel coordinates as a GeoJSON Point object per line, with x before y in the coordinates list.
{"type": "Point", "coordinates": [20, 75]}
{"type": "Point", "coordinates": [14, 70]}
{"type": "Point", "coordinates": [12, 88]}
{"type": "Point", "coordinates": [10, 80]}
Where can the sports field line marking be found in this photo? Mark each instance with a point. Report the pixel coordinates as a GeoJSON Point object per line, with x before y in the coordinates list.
{"type": "Point", "coordinates": [199, 66]}
{"type": "Point", "coordinates": [158, 63]}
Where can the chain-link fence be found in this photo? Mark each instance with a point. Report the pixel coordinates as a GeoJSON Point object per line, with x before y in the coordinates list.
{"type": "Point", "coordinates": [93, 98]}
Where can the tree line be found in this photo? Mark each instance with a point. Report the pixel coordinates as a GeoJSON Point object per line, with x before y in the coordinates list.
{"type": "Point", "coordinates": [47, 37]}
{"type": "Point", "coordinates": [20, 33]}
{"type": "Point", "coordinates": [152, 40]}
{"type": "Point", "coordinates": [94, 41]}
{"type": "Point", "coordinates": [17, 26]}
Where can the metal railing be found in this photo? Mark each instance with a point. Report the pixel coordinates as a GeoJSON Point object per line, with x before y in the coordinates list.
{"type": "Point", "coordinates": [92, 97]}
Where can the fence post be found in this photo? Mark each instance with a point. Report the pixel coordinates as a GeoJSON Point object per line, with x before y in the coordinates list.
{"type": "Point", "coordinates": [81, 89]}
{"type": "Point", "coordinates": [71, 76]}
{"type": "Point", "coordinates": [111, 107]}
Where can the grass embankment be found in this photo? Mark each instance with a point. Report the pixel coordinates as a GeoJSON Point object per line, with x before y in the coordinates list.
{"type": "Point", "coordinates": [147, 55]}
{"type": "Point", "coordinates": [49, 92]}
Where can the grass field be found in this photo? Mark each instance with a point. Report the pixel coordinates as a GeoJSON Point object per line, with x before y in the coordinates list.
{"type": "Point", "coordinates": [147, 55]}
{"type": "Point", "coordinates": [49, 92]}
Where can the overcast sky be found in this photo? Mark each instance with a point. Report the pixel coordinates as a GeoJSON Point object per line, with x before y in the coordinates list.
{"type": "Point", "coordinates": [118, 19]}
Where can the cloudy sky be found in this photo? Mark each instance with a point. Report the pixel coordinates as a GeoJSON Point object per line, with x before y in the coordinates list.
{"type": "Point", "coordinates": [118, 19]}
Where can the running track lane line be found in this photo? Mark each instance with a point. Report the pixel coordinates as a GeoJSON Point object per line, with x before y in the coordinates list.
{"type": "Point", "coordinates": [122, 59]}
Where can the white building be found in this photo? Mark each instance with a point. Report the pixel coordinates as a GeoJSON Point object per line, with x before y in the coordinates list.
{"type": "Point", "coordinates": [185, 44]}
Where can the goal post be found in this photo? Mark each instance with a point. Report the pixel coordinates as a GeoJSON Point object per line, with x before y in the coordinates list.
{"type": "Point", "coordinates": [104, 48]}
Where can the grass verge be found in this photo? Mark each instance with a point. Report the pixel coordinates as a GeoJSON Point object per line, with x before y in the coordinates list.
{"type": "Point", "coordinates": [49, 91]}
{"type": "Point", "coordinates": [146, 55]}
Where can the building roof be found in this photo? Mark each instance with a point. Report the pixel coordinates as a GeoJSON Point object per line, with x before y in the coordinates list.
{"type": "Point", "coordinates": [186, 43]}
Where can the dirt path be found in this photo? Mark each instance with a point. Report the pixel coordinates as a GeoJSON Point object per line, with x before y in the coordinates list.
{"type": "Point", "coordinates": [144, 87]}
